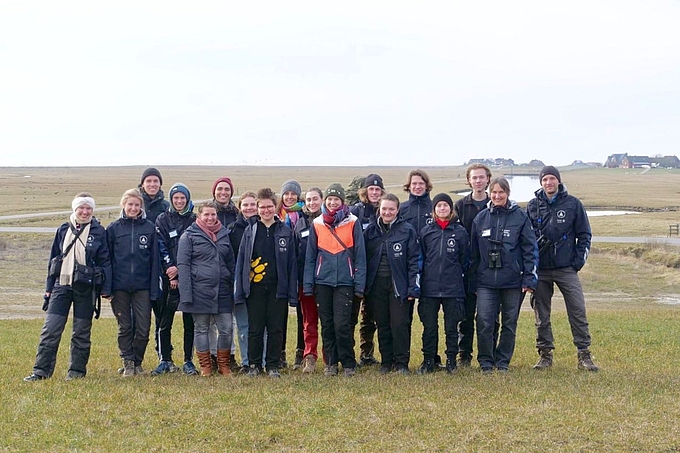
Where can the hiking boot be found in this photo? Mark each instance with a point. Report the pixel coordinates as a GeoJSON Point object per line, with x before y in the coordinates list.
{"type": "Point", "coordinates": [349, 372]}
{"type": "Point", "coordinates": [585, 361]}
{"type": "Point", "coordinates": [465, 360]}
{"type": "Point", "coordinates": [128, 368]}
{"type": "Point", "coordinates": [172, 368]}
{"type": "Point", "coordinates": [330, 370]}
{"type": "Point", "coordinates": [233, 364]}
{"type": "Point", "coordinates": [368, 360]}
{"type": "Point", "coordinates": [34, 377]}
{"type": "Point", "coordinates": [438, 362]}
{"type": "Point", "coordinates": [73, 375]}
{"type": "Point", "coordinates": [451, 366]}
{"type": "Point", "coordinates": [546, 359]}
{"type": "Point", "coordinates": [120, 370]}
{"type": "Point", "coordinates": [309, 364]}
{"type": "Point", "coordinates": [139, 370]}
{"type": "Point", "coordinates": [402, 370]}
{"type": "Point", "coordinates": [189, 368]}
{"type": "Point", "coordinates": [253, 371]}
{"type": "Point", "coordinates": [298, 359]}
{"type": "Point", "coordinates": [426, 367]}
{"type": "Point", "coordinates": [502, 370]}
{"type": "Point", "coordinates": [385, 369]}
{"type": "Point", "coordinates": [274, 373]}
{"type": "Point", "coordinates": [283, 362]}
{"type": "Point", "coordinates": [244, 369]}
{"type": "Point", "coordinates": [487, 371]}
{"type": "Point", "coordinates": [162, 368]}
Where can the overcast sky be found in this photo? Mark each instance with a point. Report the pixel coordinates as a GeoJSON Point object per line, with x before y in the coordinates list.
{"type": "Point", "coordinates": [307, 83]}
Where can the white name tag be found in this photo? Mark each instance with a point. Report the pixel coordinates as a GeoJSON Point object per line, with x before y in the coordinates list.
{"type": "Point", "coordinates": [304, 234]}
{"type": "Point", "coordinates": [173, 233]}
{"type": "Point", "coordinates": [486, 233]}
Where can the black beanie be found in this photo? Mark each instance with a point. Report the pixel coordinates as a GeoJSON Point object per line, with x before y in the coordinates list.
{"type": "Point", "coordinates": [442, 197]}
{"type": "Point", "coordinates": [374, 180]}
{"type": "Point", "coordinates": [151, 172]}
{"type": "Point", "coordinates": [550, 170]}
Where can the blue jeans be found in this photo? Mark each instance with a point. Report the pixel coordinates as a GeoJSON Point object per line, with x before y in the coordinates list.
{"type": "Point", "coordinates": [202, 325]}
{"type": "Point", "coordinates": [491, 302]}
{"type": "Point", "coordinates": [240, 316]}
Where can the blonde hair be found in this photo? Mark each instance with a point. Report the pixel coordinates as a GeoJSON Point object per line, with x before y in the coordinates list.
{"type": "Point", "coordinates": [131, 193]}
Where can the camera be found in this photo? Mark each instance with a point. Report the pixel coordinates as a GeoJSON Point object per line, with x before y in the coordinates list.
{"type": "Point", "coordinates": [495, 259]}
{"type": "Point", "coordinates": [543, 243]}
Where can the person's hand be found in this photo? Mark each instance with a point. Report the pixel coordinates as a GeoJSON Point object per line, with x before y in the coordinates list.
{"type": "Point", "coordinates": [411, 299]}
{"type": "Point", "coordinates": [527, 290]}
{"type": "Point", "coordinates": [171, 272]}
{"type": "Point", "coordinates": [174, 284]}
{"type": "Point", "coordinates": [106, 296]}
{"type": "Point", "coordinates": [46, 302]}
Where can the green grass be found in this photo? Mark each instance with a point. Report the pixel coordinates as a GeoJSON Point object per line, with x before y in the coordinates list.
{"type": "Point", "coordinates": [633, 404]}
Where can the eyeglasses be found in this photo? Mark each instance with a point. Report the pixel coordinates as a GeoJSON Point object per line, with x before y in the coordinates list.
{"type": "Point", "coordinates": [266, 208]}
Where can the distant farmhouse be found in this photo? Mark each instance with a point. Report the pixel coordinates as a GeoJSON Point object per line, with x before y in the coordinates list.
{"type": "Point", "coordinates": [626, 161]}
{"type": "Point", "coordinates": [497, 162]}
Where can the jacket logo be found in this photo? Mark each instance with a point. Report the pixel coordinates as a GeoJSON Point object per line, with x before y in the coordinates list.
{"type": "Point", "coordinates": [396, 247]}
{"type": "Point", "coordinates": [561, 214]}
{"type": "Point", "coordinates": [451, 242]}
{"type": "Point", "coordinates": [282, 242]}
{"type": "Point", "coordinates": [90, 239]}
{"type": "Point", "coordinates": [143, 239]}
{"type": "Point", "coordinates": [429, 221]}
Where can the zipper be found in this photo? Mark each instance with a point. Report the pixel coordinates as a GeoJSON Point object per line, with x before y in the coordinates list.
{"type": "Point", "coordinates": [132, 249]}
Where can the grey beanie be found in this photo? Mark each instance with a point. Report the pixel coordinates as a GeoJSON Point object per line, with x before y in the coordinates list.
{"type": "Point", "coordinates": [291, 186]}
{"type": "Point", "coordinates": [550, 170]}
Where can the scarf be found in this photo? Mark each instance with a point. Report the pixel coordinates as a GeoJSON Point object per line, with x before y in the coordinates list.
{"type": "Point", "coordinates": [229, 207]}
{"type": "Point", "coordinates": [211, 231]}
{"type": "Point", "coordinates": [290, 214]}
{"type": "Point", "coordinates": [443, 223]}
{"type": "Point", "coordinates": [311, 215]}
{"type": "Point", "coordinates": [77, 252]}
{"type": "Point", "coordinates": [187, 209]}
{"type": "Point", "coordinates": [333, 218]}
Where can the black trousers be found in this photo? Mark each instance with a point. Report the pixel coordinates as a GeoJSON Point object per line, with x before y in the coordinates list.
{"type": "Point", "coordinates": [188, 321]}
{"type": "Point", "coordinates": [164, 312]}
{"type": "Point", "coordinates": [300, 330]}
{"type": "Point", "coordinates": [265, 311]}
{"type": "Point", "coordinates": [335, 314]}
{"type": "Point", "coordinates": [393, 319]}
{"type": "Point", "coordinates": [428, 311]}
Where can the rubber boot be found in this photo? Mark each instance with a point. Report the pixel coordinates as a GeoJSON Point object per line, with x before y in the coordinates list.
{"type": "Point", "coordinates": [223, 362]}
{"type": "Point", "coordinates": [204, 363]}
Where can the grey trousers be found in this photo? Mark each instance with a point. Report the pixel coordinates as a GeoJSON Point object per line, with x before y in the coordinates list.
{"type": "Point", "coordinates": [569, 284]}
{"type": "Point", "coordinates": [55, 321]}
{"type": "Point", "coordinates": [132, 336]}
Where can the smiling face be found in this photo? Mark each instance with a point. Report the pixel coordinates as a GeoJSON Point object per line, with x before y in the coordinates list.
{"type": "Point", "coordinates": [289, 198]}
{"type": "Point", "coordinates": [388, 211]}
{"type": "Point", "coordinates": [266, 208]}
{"type": "Point", "coordinates": [550, 185]}
{"type": "Point", "coordinates": [499, 197]}
{"type": "Point", "coordinates": [222, 193]}
{"type": "Point", "coordinates": [83, 213]}
{"type": "Point", "coordinates": [179, 201]}
{"type": "Point", "coordinates": [132, 207]}
{"type": "Point", "coordinates": [442, 210]}
{"type": "Point", "coordinates": [333, 203]}
{"type": "Point", "coordinates": [478, 180]}
{"type": "Point", "coordinates": [248, 207]}
{"type": "Point", "coordinates": [417, 186]}
{"type": "Point", "coordinates": [373, 193]}
{"type": "Point", "coordinates": [313, 201]}
{"type": "Point", "coordinates": [151, 185]}
{"type": "Point", "coordinates": [208, 215]}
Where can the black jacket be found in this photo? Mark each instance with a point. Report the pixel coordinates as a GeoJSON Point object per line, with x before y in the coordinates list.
{"type": "Point", "coordinates": [286, 264]}
{"type": "Point", "coordinates": [365, 212]}
{"type": "Point", "coordinates": [417, 211]}
{"type": "Point", "coordinates": [96, 253]}
{"type": "Point", "coordinates": [446, 255]}
{"type": "Point", "coordinates": [237, 228]}
{"type": "Point", "coordinates": [169, 228]}
{"type": "Point", "coordinates": [564, 223]}
{"type": "Point", "coordinates": [403, 253]}
{"type": "Point", "coordinates": [301, 237]}
{"type": "Point", "coordinates": [154, 206]}
{"type": "Point", "coordinates": [227, 213]}
{"type": "Point", "coordinates": [206, 272]}
{"type": "Point", "coordinates": [467, 210]}
{"type": "Point", "coordinates": [134, 256]}
{"type": "Point", "coordinates": [511, 229]}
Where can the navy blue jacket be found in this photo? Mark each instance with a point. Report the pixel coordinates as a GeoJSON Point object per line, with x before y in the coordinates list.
{"type": "Point", "coordinates": [154, 206]}
{"type": "Point", "coordinates": [446, 255]}
{"type": "Point", "coordinates": [403, 253]}
{"type": "Point", "coordinates": [169, 228]}
{"type": "Point", "coordinates": [236, 230]}
{"type": "Point", "coordinates": [96, 253]}
{"type": "Point", "coordinates": [365, 212]}
{"type": "Point", "coordinates": [564, 222]}
{"type": "Point", "coordinates": [417, 210]}
{"type": "Point", "coordinates": [134, 255]}
{"type": "Point", "coordinates": [286, 264]}
{"type": "Point", "coordinates": [206, 272]}
{"type": "Point", "coordinates": [301, 237]}
{"type": "Point", "coordinates": [518, 252]}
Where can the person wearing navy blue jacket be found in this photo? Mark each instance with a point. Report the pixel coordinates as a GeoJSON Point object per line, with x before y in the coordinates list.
{"type": "Point", "coordinates": [266, 280]}
{"type": "Point", "coordinates": [392, 282]}
{"type": "Point", "coordinates": [562, 225]}
{"type": "Point", "coordinates": [446, 251]}
{"type": "Point", "coordinates": [504, 267]}
{"type": "Point", "coordinates": [136, 279]}
{"type": "Point", "coordinates": [152, 195]}
{"type": "Point", "coordinates": [169, 228]}
{"type": "Point", "coordinates": [89, 247]}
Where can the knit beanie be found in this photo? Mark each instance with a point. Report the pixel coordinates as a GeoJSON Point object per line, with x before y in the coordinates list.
{"type": "Point", "coordinates": [335, 190]}
{"type": "Point", "coordinates": [179, 187]}
{"type": "Point", "coordinates": [222, 179]}
{"type": "Point", "coordinates": [374, 180]}
{"type": "Point", "coordinates": [79, 201]}
{"type": "Point", "coordinates": [151, 171]}
{"type": "Point", "coordinates": [291, 186]}
{"type": "Point", "coordinates": [442, 197]}
{"type": "Point", "coordinates": [550, 170]}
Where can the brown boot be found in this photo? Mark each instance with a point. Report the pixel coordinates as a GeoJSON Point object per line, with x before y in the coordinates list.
{"type": "Point", "coordinates": [204, 363]}
{"type": "Point", "coordinates": [223, 360]}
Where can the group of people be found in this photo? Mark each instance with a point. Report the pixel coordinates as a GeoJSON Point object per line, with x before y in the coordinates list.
{"type": "Point", "coordinates": [236, 269]}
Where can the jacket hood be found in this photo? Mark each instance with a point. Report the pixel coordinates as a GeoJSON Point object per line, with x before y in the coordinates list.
{"type": "Point", "coordinates": [511, 206]}
{"type": "Point", "coordinates": [142, 216]}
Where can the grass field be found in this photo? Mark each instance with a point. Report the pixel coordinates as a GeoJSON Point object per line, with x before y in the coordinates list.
{"type": "Point", "coordinates": [632, 292]}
